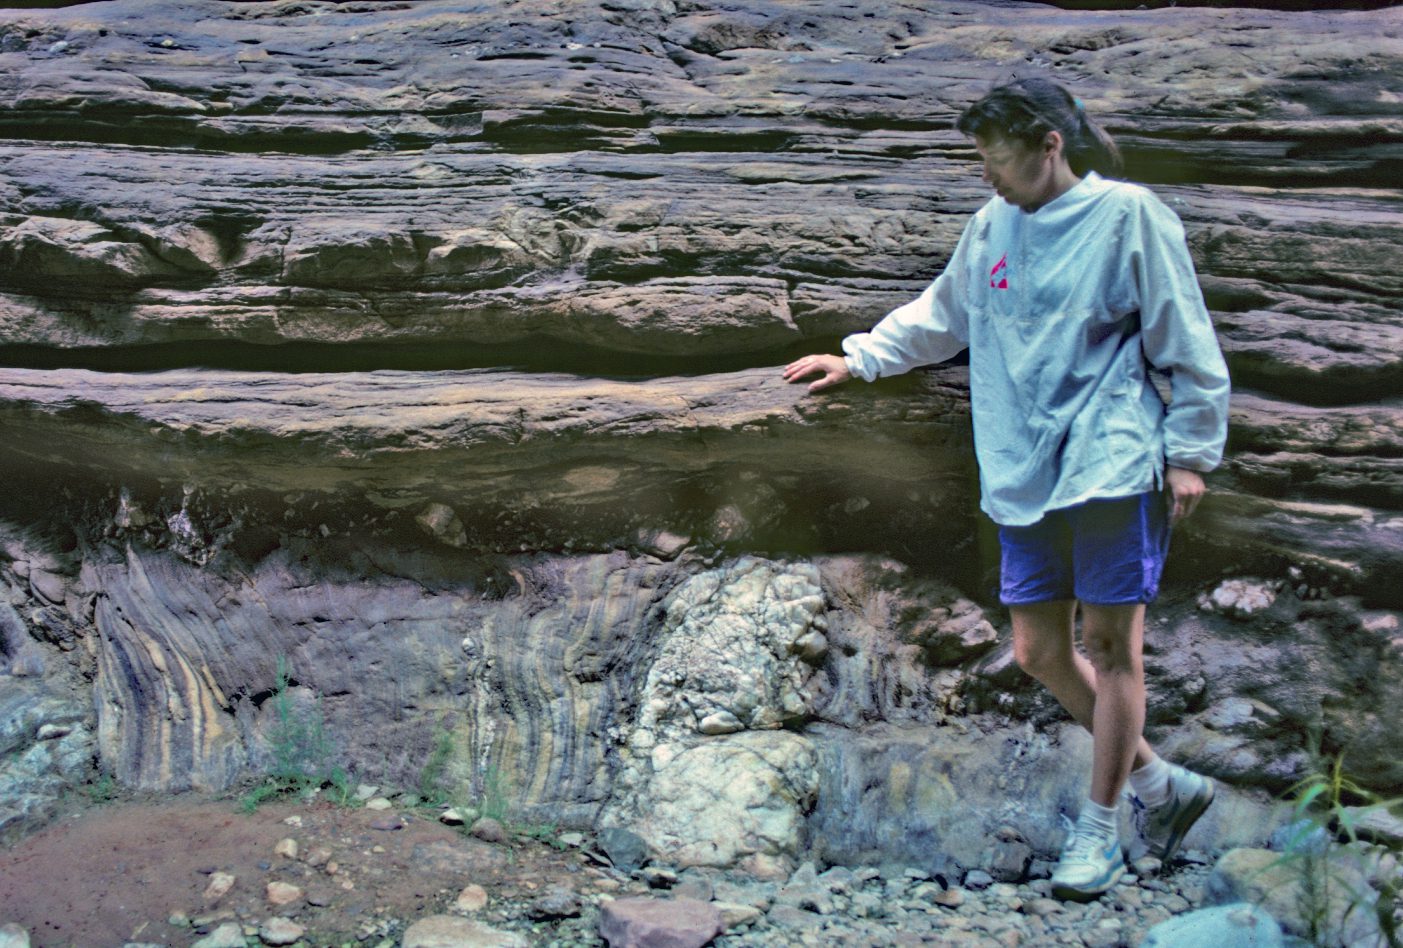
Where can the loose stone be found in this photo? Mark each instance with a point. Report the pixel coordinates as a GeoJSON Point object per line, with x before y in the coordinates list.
{"type": "Point", "coordinates": [978, 879]}
{"type": "Point", "coordinates": [473, 898]}
{"type": "Point", "coordinates": [280, 931]}
{"type": "Point", "coordinates": [560, 902]}
{"type": "Point", "coordinates": [950, 898]}
{"type": "Point", "coordinates": [451, 931]}
{"type": "Point", "coordinates": [219, 885]}
{"type": "Point", "coordinates": [228, 935]}
{"type": "Point", "coordinates": [678, 923]}
{"type": "Point", "coordinates": [735, 915]}
{"type": "Point", "coordinates": [283, 893]}
{"type": "Point", "coordinates": [489, 830]}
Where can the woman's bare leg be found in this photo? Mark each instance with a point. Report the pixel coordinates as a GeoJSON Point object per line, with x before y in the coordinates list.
{"type": "Point", "coordinates": [1044, 646]}
{"type": "Point", "coordinates": [1114, 640]}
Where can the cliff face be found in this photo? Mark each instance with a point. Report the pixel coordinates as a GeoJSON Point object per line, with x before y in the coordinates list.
{"type": "Point", "coordinates": [432, 346]}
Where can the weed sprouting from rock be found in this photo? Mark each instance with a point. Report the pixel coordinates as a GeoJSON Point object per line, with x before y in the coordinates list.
{"type": "Point", "coordinates": [303, 756]}
{"type": "Point", "coordinates": [1325, 851]}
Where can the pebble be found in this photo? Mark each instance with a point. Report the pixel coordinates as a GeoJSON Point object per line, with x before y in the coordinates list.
{"type": "Point", "coordinates": [558, 902]}
{"type": "Point", "coordinates": [489, 830]}
{"type": "Point", "coordinates": [950, 898]}
{"type": "Point", "coordinates": [444, 931]}
{"type": "Point", "coordinates": [219, 885]}
{"type": "Point", "coordinates": [735, 915]}
{"type": "Point", "coordinates": [659, 877]}
{"type": "Point", "coordinates": [978, 879]}
{"type": "Point", "coordinates": [473, 898]}
{"type": "Point", "coordinates": [283, 893]}
{"type": "Point", "coordinates": [286, 848]}
{"type": "Point", "coordinates": [378, 803]}
{"type": "Point", "coordinates": [280, 931]}
{"type": "Point", "coordinates": [228, 935]}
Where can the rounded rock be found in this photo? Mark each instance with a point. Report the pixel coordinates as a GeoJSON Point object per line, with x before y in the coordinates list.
{"type": "Point", "coordinates": [283, 893]}
{"type": "Point", "coordinates": [280, 931]}
{"type": "Point", "coordinates": [677, 923]}
{"type": "Point", "coordinates": [451, 931]}
{"type": "Point", "coordinates": [489, 830]}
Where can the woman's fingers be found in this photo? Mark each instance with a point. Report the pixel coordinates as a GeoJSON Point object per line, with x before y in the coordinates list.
{"type": "Point", "coordinates": [832, 368]}
{"type": "Point", "coordinates": [798, 369]}
{"type": "Point", "coordinates": [1186, 489]}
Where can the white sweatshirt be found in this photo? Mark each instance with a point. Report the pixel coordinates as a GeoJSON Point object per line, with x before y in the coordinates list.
{"type": "Point", "coordinates": [1062, 309]}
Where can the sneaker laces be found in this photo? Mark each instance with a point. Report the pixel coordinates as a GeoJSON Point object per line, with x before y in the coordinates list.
{"type": "Point", "coordinates": [1139, 813]}
{"type": "Point", "coordinates": [1081, 844]}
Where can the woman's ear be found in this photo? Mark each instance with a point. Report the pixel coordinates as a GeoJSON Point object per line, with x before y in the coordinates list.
{"type": "Point", "coordinates": [1053, 144]}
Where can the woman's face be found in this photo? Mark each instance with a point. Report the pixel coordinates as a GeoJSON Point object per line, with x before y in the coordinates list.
{"type": "Point", "coordinates": [1023, 176]}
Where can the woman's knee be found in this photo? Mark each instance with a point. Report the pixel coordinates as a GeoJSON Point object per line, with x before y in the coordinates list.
{"type": "Point", "coordinates": [1042, 659]}
{"type": "Point", "coordinates": [1112, 639]}
{"type": "Point", "coordinates": [1108, 654]}
{"type": "Point", "coordinates": [1042, 639]}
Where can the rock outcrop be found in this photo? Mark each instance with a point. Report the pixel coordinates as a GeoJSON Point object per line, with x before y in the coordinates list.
{"type": "Point", "coordinates": [432, 347]}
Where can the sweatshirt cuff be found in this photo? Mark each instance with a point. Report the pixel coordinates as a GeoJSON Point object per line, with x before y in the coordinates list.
{"type": "Point", "coordinates": [859, 366]}
{"type": "Point", "coordinates": [1191, 464]}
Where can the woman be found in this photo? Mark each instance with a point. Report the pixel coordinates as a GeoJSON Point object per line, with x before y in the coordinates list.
{"type": "Point", "coordinates": [1065, 288]}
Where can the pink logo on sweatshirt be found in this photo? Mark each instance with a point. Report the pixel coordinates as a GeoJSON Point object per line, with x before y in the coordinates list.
{"type": "Point", "coordinates": [1000, 267]}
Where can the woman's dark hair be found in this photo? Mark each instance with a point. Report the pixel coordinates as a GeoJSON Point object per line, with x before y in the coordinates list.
{"type": "Point", "coordinates": [1025, 110]}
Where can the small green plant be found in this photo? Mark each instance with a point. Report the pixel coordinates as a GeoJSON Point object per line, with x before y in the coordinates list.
{"type": "Point", "coordinates": [1328, 805]}
{"type": "Point", "coordinates": [493, 802]}
{"type": "Point", "coordinates": [301, 751]}
{"type": "Point", "coordinates": [547, 833]}
{"type": "Point", "coordinates": [431, 790]}
{"type": "Point", "coordinates": [101, 790]}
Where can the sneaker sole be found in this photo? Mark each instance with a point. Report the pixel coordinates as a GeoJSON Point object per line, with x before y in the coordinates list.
{"type": "Point", "coordinates": [1192, 812]}
{"type": "Point", "coordinates": [1071, 894]}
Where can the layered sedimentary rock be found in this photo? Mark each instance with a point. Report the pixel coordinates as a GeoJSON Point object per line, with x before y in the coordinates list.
{"type": "Point", "coordinates": [431, 347]}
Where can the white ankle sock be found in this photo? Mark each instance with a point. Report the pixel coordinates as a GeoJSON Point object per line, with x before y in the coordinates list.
{"type": "Point", "coordinates": [1098, 819]}
{"type": "Point", "coordinates": [1151, 782]}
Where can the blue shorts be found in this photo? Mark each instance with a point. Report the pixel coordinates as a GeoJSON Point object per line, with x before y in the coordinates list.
{"type": "Point", "coordinates": [1104, 552]}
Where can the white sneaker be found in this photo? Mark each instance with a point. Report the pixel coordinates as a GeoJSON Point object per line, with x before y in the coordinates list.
{"type": "Point", "coordinates": [1090, 865]}
{"type": "Point", "coordinates": [1160, 829]}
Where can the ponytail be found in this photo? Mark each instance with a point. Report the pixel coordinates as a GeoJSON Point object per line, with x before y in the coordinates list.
{"type": "Point", "coordinates": [1025, 110]}
{"type": "Point", "coordinates": [1093, 148]}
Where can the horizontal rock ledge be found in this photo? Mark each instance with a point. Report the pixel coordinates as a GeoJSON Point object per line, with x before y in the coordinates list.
{"type": "Point", "coordinates": [742, 456]}
{"type": "Point", "coordinates": [692, 258]}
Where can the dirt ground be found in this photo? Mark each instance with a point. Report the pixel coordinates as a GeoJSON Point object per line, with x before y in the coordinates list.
{"type": "Point", "coordinates": [108, 875]}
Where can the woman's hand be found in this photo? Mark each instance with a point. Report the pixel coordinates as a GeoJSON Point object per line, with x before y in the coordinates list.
{"type": "Point", "coordinates": [1186, 489]}
{"type": "Point", "coordinates": [834, 369]}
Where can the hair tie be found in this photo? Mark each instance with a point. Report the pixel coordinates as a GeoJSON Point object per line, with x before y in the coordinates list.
{"type": "Point", "coordinates": [1081, 106]}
